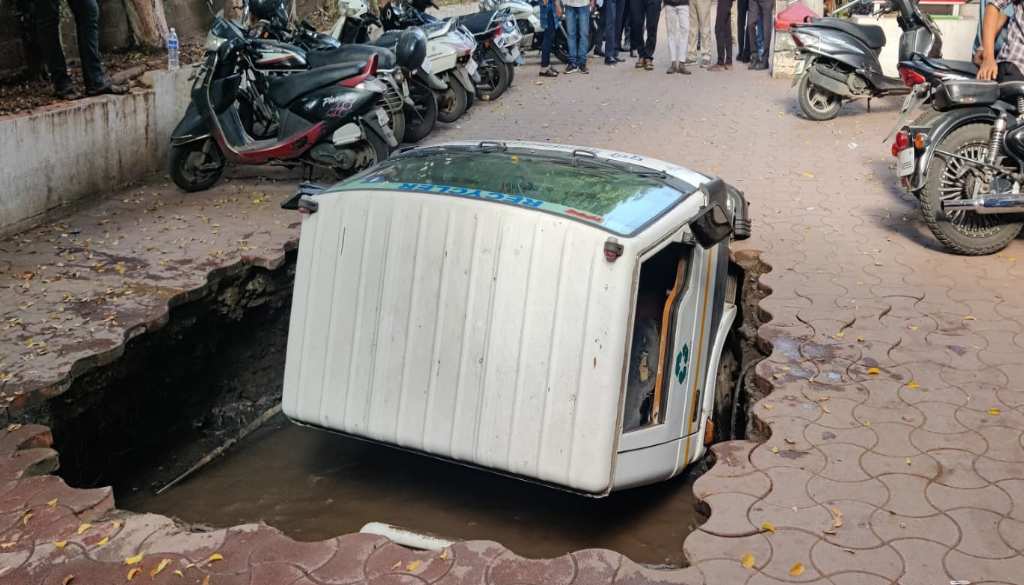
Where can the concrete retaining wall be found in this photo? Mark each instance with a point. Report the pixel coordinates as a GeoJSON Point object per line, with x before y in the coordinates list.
{"type": "Point", "coordinates": [54, 157]}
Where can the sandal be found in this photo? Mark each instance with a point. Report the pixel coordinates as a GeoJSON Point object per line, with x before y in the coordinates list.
{"type": "Point", "coordinates": [549, 72]}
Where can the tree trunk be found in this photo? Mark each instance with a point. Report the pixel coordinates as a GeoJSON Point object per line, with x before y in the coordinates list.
{"type": "Point", "coordinates": [148, 22]}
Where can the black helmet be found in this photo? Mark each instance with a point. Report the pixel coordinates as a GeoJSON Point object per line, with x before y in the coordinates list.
{"type": "Point", "coordinates": [411, 48]}
{"type": "Point", "coordinates": [273, 11]}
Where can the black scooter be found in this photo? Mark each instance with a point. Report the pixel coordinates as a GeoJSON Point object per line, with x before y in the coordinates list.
{"type": "Point", "coordinates": [328, 117]}
{"type": "Point", "coordinates": [840, 58]}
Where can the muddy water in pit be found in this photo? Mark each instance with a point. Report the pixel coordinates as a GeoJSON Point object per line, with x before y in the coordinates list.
{"type": "Point", "coordinates": [314, 485]}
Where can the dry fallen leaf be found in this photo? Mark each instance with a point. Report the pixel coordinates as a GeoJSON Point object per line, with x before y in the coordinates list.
{"type": "Point", "coordinates": [215, 557]}
{"type": "Point", "coordinates": [768, 527]}
{"type": "Point", "coordinates": [768, 406]}
{"type": "Point", "coordinates": [52, 503]}
{"type": "Point", "coordinates": [908, 461]}
{"type": "Point", "coordinates": [796, 570]}
{"type": "Point", "coordinates": [83, 527]}
{"type": "Point", "coordinates": [412, 566]}
{"type": "Point", "coordinates": [395, 566]}
{"type": "Point", "coordinates": [160, 567]}
{"type": "Point", "coordinates": [179, 573]}
{"type": "Point", "coordinates": [994, 411]}
{"type": "Point", "coordinates": [747, 561]}
{"type": "Point", "coordinates": [775, 449]}
{"type": "Point", "coordinates": [874, 371]}
{"type": "Point", "coordinates": [103, 541]}
{"type": "Point", "coordinates": [26, 518]}
{"type": "Point", "coordinates": [67, 580]}
{"type": "Point", "coordinates": [60, 544]}
{"type": "Point", "coordinates": [913, 385]}
{"type": "Point", "coordinates": [133, 572]}
{"type": "Point", "coordinates": [969, 318]}
{"type": "Point", "coordinates": [837, 517]}
{"type": "Point", "coordinates": [133, 560]}
{"type": "Point", "coordinates": [444, 555]}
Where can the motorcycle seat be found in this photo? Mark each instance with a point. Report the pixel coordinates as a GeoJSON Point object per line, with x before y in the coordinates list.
{"type": "Point", "coordinates": [1011, 90]}
{"type": "Point", "coordinates": [285, 90]}
{"type": "Point", "coordinates": [352, 54]}
{"type": "Point", "coordinates": [479, 22]}
{"type": "Point", "coordinates": [870, 35]}
{"type": "Point", "coordinates": [964, 67]}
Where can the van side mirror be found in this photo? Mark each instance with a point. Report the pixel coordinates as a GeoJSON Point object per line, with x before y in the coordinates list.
{"type": "Point", "coordinates": [714, 221]}
{"type": "Point", "coordinates": [303, 198]}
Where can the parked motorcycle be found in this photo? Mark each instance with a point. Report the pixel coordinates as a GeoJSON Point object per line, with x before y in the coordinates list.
{"type": "Point", "coordinates": [966, 166]}
{"type": "Point", "coordinates": [449, 70]}
{"type": "Point", "coordinates": [328, 117]}
{"type": "Point", "coordinates": [840, 58]}
{"type": "Point", "coordinates": [923, 75]}
{"type": "Point", "coordinates": [527, 17]}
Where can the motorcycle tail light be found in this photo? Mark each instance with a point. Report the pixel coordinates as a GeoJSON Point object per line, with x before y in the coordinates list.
{"type": "Point", "coordinates": [910, 77]}
{"type": "Point", "coordinates": [902, 142]}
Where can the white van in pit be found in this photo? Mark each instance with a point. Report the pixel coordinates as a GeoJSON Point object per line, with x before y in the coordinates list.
{"type": "Point", "coordinates": [543, 311]}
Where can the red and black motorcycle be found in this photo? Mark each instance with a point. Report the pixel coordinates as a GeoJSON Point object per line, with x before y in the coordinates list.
{"type": "Point", "coordinates": [328, 117]}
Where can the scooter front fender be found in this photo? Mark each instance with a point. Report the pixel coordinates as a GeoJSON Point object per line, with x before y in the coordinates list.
{"type": "Point", "coordinates": [191, 128]}
{"type": "Point", "coordinates": [462, 76]}
{"type": "Point", "coordinates": [940, 128]}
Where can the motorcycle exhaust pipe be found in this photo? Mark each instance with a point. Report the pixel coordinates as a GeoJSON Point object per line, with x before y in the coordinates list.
{"type": "Point", "coordinates": [987, 205]}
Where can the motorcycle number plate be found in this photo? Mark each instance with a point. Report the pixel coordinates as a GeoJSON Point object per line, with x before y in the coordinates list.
{"type": "Point", "coordinates": [905, 163]}
{"type": "Point", "coordinates": [471, 66]}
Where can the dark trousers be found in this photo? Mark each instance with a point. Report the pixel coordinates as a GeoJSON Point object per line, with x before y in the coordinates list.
{"type": "Point", "coordinates": [723, 31]}
{"type": "Point", "coordinates": [611, 15]}
{"type": "Point", "coordinates": [620, 22]}
{"type": "Point", "coordinates": [644, 15]}
{"type": "Point", "coordinates": [742, 46]}
{"type": "Point", "coordinates": [87, 26]}
{"type": "Point", "coordinates": [550, 23]}
{"type": "Point", "coordinates": [759, 10]}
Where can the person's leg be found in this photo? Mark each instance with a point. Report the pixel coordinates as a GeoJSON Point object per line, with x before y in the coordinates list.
{"type": "Point", "coordinates": [620, 23]}
{"type": "Point", "coordinates": [765, 9]}
{"type": "Point", "coordinates": [705, 29]}
{"type": "Point", "coordinates": [753, 18]}
{"type": "Point", "coordinates": [636, 28]}
{"type": "Point", "coordinates": [583, 26]}
{"type": "Point", "coordinates": [610, 26]}
{"type": "Point", "coordinates": [46, 14]}
{"type": "Point", "coordinates": [653, 16]}
{"type": "Point", "coordinates": [672, 35]}
{"type": "Point", "coordinates": [547, 20]}
{"type": "Point", "coordinates": [87, 26]}
{"type": "Point", "coordinates": [694, 32]}
{"type": "Point", "coordinates": [743, 48]}
{"type": "Point", "coordinates": [570, 35]}
{"type": "Point", "coordinates": [723, 32]}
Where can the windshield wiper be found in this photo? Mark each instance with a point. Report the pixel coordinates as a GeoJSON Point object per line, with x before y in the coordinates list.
{"type": "Point", "coordinates": [580, 155]}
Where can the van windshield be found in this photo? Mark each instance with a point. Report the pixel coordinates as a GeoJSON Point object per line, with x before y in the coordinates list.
{"type": "Point", "coordinates": [593, 191]}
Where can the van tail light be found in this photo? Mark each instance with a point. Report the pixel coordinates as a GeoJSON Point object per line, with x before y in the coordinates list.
{"type": "Point", "coordinates": [910, 77]}
{"type": "Point", "coordinates": [901, 143]}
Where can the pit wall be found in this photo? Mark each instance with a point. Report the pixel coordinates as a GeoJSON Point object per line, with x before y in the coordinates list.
{"type": "Point", "coordinates": [58, 155]}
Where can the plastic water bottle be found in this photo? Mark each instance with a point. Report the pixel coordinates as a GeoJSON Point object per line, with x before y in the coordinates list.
{"type": "Point", "coordinates": [172, 51]}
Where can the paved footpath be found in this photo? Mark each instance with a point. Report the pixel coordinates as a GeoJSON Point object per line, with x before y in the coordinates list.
{"type": "Point", "coordinates": [896, 409]}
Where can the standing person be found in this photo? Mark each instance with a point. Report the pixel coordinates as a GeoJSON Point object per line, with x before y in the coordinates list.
{"type": "Point", "coordinates": [577, 28]}
{"type": "Point", "coordinates": [677, 22]}
{"type": "Point", "coordinates": [635, 28]}
{"type": "Point", "coordinates": [550, 15]}
{"type": "Point", "coordinates": [645, 15]}
{"type": "Point", "coordinates": [1008, 63]}
{"type": "Point", "coordinates": [46, 14]}
{"type": "Point", "coordinates": [612, 30]}
{"type": "Point", "coordinates": [723, 36]}
{"type": "Point", "coordinates": [759, 14]}
{"type": "Point", "coordinates": [742, 43]}
{"type": "Point", "coordinates": [700, 30]}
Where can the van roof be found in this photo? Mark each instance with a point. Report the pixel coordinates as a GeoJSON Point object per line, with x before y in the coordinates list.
{"type": "Point", "coordinates": [619, 196]}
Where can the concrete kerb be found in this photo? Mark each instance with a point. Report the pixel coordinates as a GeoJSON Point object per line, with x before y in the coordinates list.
{"type": "Point", "coordinates": [58, 155]}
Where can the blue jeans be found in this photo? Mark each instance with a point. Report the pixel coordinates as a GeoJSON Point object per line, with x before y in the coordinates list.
{"type": "Point", "coordinates": [577, 28]}
{"type": "Point", "coordinates": [550, 23]}
{"type": "Point", "coordinates": [612, 14]}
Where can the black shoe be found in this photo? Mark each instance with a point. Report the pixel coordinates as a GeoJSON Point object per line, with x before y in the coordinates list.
{"type": "Point", "coordinates": [632, 54]}
{"type": "Point", "coordinates": [761, 66]}
{"type": "Point", "coordinates": [752, 64]}
{"type": "Point", "coordinates": [109, 88]}
{"type": "Point", "coordinates": [571, 69]}
{"type": "Point", "coordinates": [620, 60]}
{"type": "Point", "coordinates": [584, 70]}
{"type": "Point", "coordinates": [743, 59]}
{"type": "Point", "coordinates": [611, 62]}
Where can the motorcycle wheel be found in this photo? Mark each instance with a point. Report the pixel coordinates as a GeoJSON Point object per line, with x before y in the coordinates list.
{"type": "Point", "coordinates": [494, 76]}
{"type": "Point", "coordinates": [962, 232]}
{"type": "Point", "coordinates": [196, 166]}
{"type": "Point", "coordinates": [398, 124]}
{"type": "Point", "coordinates": [816, 103]}
{"type": "Point", "coordinates": [452, 103]}
{"type": "Point", "coordinates": [421, 118]}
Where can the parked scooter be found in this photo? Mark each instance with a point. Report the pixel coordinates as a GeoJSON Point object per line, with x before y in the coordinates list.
{"type": "Point", "coordinates": [449, 70]}
{"type": "Point", "coordinates": [840, 58]}
{"type": "Point", "coordinates": [329, 116]}
{"type": "Point", "coordinates": [495, 33]}
{"type": "Point", "coordinates": [527, 17]}
{"type": "Point", "coordinates": [966, 166]}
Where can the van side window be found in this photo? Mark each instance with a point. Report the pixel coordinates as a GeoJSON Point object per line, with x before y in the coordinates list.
{"type": "Point", "coordinates": [662, 285]}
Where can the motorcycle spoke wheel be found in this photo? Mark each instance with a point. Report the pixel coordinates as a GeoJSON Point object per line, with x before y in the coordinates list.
{"type": "Point", "coordinates": [961, 180]}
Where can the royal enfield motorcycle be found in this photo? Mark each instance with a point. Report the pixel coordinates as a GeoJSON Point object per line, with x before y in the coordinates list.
{"type": "Point", "coordinates": [966, 165]}
{"type": "Point", "coordinates": [327, 117]}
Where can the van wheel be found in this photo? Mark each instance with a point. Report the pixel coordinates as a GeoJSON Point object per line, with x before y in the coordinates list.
{"type": "Point", "coordinates": [816, 103]}
{"type": "Point", "coordinates": [725, 394]}
{"type": "Point", "coordinates": [196, 166]}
